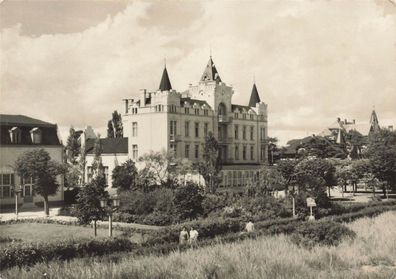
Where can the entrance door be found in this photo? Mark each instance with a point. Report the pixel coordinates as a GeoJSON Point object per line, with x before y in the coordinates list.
{"type": "Point", "coordinates": [27, 193]}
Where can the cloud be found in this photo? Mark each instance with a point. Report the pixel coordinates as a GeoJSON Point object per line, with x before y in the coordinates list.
{"type": "Point", "coordinates": [312, 61]}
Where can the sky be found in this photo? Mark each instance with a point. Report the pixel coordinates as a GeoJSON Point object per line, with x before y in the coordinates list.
{"type": "Point", "coordinates": [72, 62]}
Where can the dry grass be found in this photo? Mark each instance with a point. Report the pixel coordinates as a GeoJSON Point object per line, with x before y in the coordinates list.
{"type": "Point", "coordinates": [371, 255]}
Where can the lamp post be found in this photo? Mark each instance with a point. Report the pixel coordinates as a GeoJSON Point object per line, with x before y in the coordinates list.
{"type": "Point", "coordinates": [17, 190]}
{"type": "Point", "coordinates": [111, 205]}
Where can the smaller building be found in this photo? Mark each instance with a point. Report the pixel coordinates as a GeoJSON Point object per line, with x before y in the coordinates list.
{"type": "Point", "coordinates": [114, 152]}
{"type": "Point", "coordinates": [19, 134]}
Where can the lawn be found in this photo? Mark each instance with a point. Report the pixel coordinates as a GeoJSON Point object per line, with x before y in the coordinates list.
{"type": "Point", "coordinates": [36, 232]}
{"type": "Point", "coordinates": [372, 254]}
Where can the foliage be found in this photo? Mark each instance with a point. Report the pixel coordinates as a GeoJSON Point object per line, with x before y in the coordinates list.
{"type": "Point", "coordinates": [287, 170]}
{"type": "Point", "coordinates": [268, 181]}
{"type": "Point", "coordinates": [110, 129]}
{"type": "Point", "coordinates": [124, 176]}
{"type": "Point", "coordinates": [38, 165]}
{"type": "Point", "coordinates": [29, 254]}
{"type": "Point", "coordinates": [210, 165]}
{"type": "Point", "coordinates": [188, 200]}
{"type": "Point", "coordinates": [382, 157]}
{"type": "Point", "coordinates": [323, 233]}
{"type": "Point", "coordinates": [72, 147]}
{"type": "Point", "coordinates": [321, 147]}
{"type": "Point", "coordinates": [72, 175]}
{"type": "Point", "coordinates": [88, 201]}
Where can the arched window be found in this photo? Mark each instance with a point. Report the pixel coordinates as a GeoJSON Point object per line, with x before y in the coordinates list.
{"type": "Point", "coordinates": [35, 135]}
{"type": "Point", "coordinates": [15, 135]}
{"type": "Point", "coordinates": [222, 109]}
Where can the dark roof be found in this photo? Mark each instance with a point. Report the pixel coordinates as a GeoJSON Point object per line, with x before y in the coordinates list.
{"type": "Point", "coordinates": [210, 73]}
{"type": "Point", "coordinates": [108, 145]}
{"type": "Point", "coordinates": [49, 132]}
{"type": "Point", "coordinates": [192, 101]}
{"type": "Point", "coordinates": [254, 97]}
{"type": "Point", "coordinates": [19, 120]}
{"type": "Point", "coordinates": [165, 84]}
{"type": "Point", "coordinates": [233, 106]}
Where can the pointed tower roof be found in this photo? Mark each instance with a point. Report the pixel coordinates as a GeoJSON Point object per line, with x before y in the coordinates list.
{"type": "Point", "coordinates": [210, 73]}
{"type": "Point", "coordinates": [165, 84]}
{"type": "Point", "coordinates": [374, 123]}
{"type": "Point", "coordinates": [254, 97]}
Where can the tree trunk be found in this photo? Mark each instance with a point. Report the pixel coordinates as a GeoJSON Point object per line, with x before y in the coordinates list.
{"type": "Point", "coordinates": [384, 191]}
{"type": "Point", "coordinates": [328, 188]}
{"type": "Point", "coordinates": [46, 207]}
{"type": "Point", "coordinates": [95, 229]}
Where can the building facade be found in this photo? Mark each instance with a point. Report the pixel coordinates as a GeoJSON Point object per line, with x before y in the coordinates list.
{"type": "Point", "coordinates": [20, 134]}
{"type": "Point", "coordinates": [179, 121]}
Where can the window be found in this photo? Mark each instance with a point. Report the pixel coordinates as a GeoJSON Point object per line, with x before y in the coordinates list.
{"type": "Point", "coordinates": [172, 108]}
{"type": "Point", "coordinates": [106, 175]}
{"type": "Point", "coordinates": [262, 133]}
{"type": "Point", "coordinates": [134, 129]}
{"type": "Point", "coordinates": [173, 147]}
{"type": "Point", "coordinates": [236, 131]}
{"type": "Point", "coordinates": [187, 151]}
{"type": "Point", "coordinates": [7, 185]}
{"type": "Point", "coordinates": [196, 129]}
{"type": "Point", "coordinates": [206, 112]}
{"type": "Point", "coordinates": [134, 110]}
{"type": "Point", "coordinates": [252, 133]}
{"type": "Point", "coordinates": [196, 151]}
{"type": "Point", "coordinates": [244, 132]}
{"type": "Point", "coordinates": [244, 116]}
{"type": "Point", "coordinates": [196, 111]}
{"type": "Point", "coordinates": [252, 153]}
{"type": "Point", "coordinates": [251, 117]}
{"type": "Point", "coordinates": [206, 125]}
{"type": "Point", "coordinates": [173, 127]}
{"type": "Point", "coordinates": [15, 135]}
{"type": "Point", "coordinates": [187, 110]}
{"type": "Point", "coordinates": [262, 153]}
{"type": "Point", "coordinates": [236, 115]}
{"type": "Point", "coordinates": [35, 135]}
{"type": "Point", "coordinates": [244, 152]}
{"type": "Point", "coordinates": [187, 128]}
{"type": "Point", "coordinates": [89, 174]}
{"type": "Point", "coordinates": [236, 152]}
{"type": "Point", "coordinates": [135, 153]}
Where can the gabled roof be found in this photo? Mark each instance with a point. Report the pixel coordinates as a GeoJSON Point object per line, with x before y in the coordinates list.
{"type": "Point", "coordinates": [210, 73]}
{"type": "Point", "coordinates": [108, 145]}
{"type": "Point", "coordinates": [254, 97]}
{"type": "Point", "coordinates": [22, 120]}
{"type": "Point", "coordinates": [165, 84]}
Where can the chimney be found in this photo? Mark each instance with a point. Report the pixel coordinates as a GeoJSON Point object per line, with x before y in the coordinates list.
{"type": "Point", "coordinates": [390, 128]}
{"type": "Point", "coordinates": [126, 105]}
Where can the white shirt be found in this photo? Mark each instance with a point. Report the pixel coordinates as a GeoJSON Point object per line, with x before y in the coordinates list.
{"type": "Point", "coordinates": [249, 227]}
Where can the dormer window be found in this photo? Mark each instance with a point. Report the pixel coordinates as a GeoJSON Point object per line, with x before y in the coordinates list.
{"type": "Point", "coordinates": [15, 135]}
{"type": "Point", "coordinates": [35, 135]}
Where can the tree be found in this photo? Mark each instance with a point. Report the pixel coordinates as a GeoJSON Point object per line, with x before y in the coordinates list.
{"type": "Point", "coordinates": [272, 147]}
{"type": "Point", "coordinates": [110, 129]}
{"type": "Point", "coordinates": [188, 200]}
{"type": "Point", "coordinates": [210, 166]}
{"type": "Point", "coordinates": [287, 170]}
{"type": "Point", "coordinates": [117, 124]}
{"type": "Point", "coordinates": [323, 148]}
{"type": "Point", "coordinates": [357, 170]}
{"type": "Point", "coordinates": [124, 176]}
{"type": "Point", "coordinates": [72, 147]}
{"type": "Point", "coordinates": [88, 207]}
{"type": "Point", "coordinates": [381, 153]}
{"type": "Point", "coordinates": [268, 180]}
{"type": "Point", "coordinates": [343, 175]}
{"type": "Point", "coordinates": [38, 165]}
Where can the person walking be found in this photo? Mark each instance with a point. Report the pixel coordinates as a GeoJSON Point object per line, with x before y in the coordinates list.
{"type": "Point", "coordinates": [183, 238]}
{"type": "Point", "coordinates": [193, 237]}
{"type": "Point", "coordinates": [249, 227]}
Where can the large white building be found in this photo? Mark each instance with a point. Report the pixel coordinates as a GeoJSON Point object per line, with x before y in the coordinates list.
{"type": "Point", "coordinates": [169, 120]}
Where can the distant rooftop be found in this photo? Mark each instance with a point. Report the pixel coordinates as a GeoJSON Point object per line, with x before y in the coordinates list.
{"type": "Point", "coordinates": [18, 119]}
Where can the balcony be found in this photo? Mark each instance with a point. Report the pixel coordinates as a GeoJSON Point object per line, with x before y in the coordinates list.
{"type": "Point", "coordinates": [223, 119]}
{"type": "Point", "coordinates": [174, 138]}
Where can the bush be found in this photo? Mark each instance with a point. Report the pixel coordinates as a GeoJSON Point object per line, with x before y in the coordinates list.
{"type": "Point", "coordinates": [323, 233]}
{"type": "Point", "coordinates": [29, 254]}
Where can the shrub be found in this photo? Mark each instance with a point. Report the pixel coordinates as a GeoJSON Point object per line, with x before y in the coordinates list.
{"type": "Point", "coordinates": [309, 234]}
{"type": "Point", "coordinates": [29, 254]}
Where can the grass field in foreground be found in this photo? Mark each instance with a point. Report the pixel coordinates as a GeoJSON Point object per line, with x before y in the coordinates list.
{"type": "Point", "coordinates": [372, 254]}
{"type": "Point", "coordinates": [36, 232]}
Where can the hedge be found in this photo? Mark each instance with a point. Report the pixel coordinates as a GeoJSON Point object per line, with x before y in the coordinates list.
{"type": "Point", "coordinates": [29, 254]}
